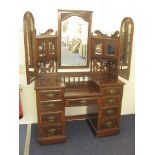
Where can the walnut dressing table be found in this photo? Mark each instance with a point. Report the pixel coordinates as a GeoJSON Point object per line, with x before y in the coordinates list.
{"type": "Point", "coordinates": [97, 59]}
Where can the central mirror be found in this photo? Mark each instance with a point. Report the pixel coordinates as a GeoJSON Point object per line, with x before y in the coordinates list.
{"type": "Point", "coordinates": [74, 29]}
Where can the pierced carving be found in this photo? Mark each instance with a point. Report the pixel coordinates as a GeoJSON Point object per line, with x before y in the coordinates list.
{"type": "Point", "coordinates": [99, 65]}
{"type": "Point", "coordinates": [113, 68]}
{"type": "Point", "coordinates": [51, 46]}
{"type": "Point", "coordinates": [47, 67]}
{"type": "Point", "coordinates": [106, 66]}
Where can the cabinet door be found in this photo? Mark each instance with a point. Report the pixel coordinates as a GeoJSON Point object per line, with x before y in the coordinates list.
{"type": "Point", "coordinates": [126, 38]}
{"type": "Point", "coordinates": [29, 39]}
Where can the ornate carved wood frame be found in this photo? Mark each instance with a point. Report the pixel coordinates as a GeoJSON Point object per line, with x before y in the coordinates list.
{"type": "Point", "coordinates": [107, 55]}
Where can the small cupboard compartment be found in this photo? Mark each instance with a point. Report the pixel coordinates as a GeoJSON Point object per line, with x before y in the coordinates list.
{"type": "Point", "coordinates": [46, 47]}
{"type": "Point", "coordinates": [104, 47]}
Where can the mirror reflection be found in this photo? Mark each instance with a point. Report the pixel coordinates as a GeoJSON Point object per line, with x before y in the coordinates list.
{"type": "Point", "coordinates": [126, 36]}
{"type": "Point", "coordinates": [74, 38]}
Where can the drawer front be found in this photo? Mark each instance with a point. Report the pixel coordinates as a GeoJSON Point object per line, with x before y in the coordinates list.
{"type": "Point", "coordinates": [81, 101]}
{"type": "Point", "coordinates": [111, 91]}
{"type": "Point", "coordinates": [45, 95]}
{"type": "Point", "coordinates": [109, 123]}
{"type": "Point", "coordinates": [54, 117]}
{"type": "Point", "coordinates": [110, 112]}
{"type": "Point", "coordinates": [51, 105]}
{"type": "Point", "coordinates": [111, 101]}
{"type": "Point", "coordinates": [50, 131]}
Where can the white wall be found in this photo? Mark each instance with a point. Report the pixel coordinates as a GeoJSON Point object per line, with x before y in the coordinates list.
{"type": "Point", "coordinates": [107, 17]}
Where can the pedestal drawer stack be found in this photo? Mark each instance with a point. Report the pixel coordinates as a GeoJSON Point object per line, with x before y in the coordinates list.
{"type": "Point", "coordinates": [51, 121]}
{"type": "Point", "coordinates": [110, 109]}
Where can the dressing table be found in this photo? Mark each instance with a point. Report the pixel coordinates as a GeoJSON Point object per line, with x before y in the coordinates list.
{"type": "Point", "coordinates": [75, 67]}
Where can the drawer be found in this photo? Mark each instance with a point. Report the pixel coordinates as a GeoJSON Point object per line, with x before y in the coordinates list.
{"type": "Point", "coordinates": [111, 91]}
{"type": "Point", "coordinates": [50, 131]}
{"type": "Point", "coordinates": [54, 117]}
{"type": "Point", "coordinates": [111, 101]}
{"type": "Point", "coordinates": [51, 105]}
{"type": "Point", "coordinates": [45, 95]}
{"type": "Point", "coordinates": [81, 101]}
{"type": "Point", "coordinates": [109, 123]}
{"type": "Point", "coordinates": [110, 112]}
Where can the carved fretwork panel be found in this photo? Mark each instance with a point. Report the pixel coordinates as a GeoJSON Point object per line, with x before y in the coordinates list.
{"type": "Point", "coordinates": [113, 69]}
{"type": "Point", "coordinates": [47, 67]}
{"type": "Point", "coordinates": [104, 66]}
{"type": "Point", "coordinates": [99, 65]}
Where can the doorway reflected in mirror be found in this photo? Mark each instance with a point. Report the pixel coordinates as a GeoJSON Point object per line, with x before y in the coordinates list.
{"type": "Point", "coordinates": [74, 38]}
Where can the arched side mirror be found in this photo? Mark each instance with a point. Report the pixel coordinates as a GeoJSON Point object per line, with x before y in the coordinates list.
{"type": "Point", "coordinates": [126, 39]}
{"type": "Point", "coordinates": [29, 43]}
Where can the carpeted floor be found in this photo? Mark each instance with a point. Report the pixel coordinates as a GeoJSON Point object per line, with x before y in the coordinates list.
{"type": "Point", "coordinates": [22, 137]}
{"type": "Point", "coordinates": [81, 141]}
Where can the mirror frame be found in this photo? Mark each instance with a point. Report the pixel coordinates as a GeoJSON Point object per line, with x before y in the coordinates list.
{"type": "Point", "coordinates": [29, 44]}
{"type": "Point", "coordinates": [86, 16]}
{"type": "Point", "coordinates": [125, 72]}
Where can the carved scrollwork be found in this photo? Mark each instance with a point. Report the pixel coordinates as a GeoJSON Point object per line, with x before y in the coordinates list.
{"type": "Point", "coordinates": [48, 32]}
{"type": "Point", "coordinates": [47, 67]}
{"type": "Point", "coordinates": [100, 34]}
{"type": "Point", "coordinates": [115, 35]}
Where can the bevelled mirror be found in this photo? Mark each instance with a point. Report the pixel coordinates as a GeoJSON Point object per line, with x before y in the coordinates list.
{"type": "Point", "coordinates": [126, 38]}
{"type": "Point", "coordinates": [74, 28]}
